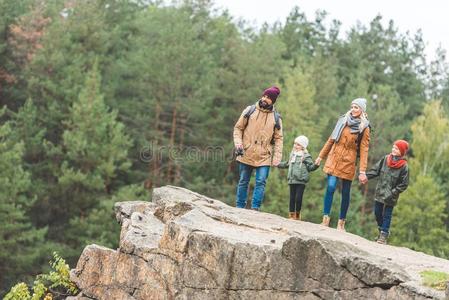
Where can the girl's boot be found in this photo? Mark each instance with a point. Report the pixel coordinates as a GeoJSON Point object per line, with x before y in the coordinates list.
{"type": "Point", "coordinates": [298, 215]}
{"type": "Point", "coordinates": [291, 215]}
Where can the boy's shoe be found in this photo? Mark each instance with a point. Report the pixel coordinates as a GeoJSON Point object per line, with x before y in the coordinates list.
{"type": "Point", "coordinates": [298, 215]}
{"type": "Point", "coordinates": [255, 208]}
{"type": "Point", "coordinates": [382, 238]}
{"type": "Point", "coordinates": [341, 225]}
{"type": "Point", "coordinates": [291, 215]}
{"type": "Point", "coordinates": [326, 220]}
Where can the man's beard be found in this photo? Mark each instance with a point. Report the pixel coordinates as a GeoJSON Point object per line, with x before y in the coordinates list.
{"type": "Point", "coordinates": [264, 104]}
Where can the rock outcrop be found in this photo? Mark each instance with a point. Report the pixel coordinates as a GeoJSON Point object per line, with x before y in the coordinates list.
{"type": "Point", "coordinates": [187, 246]}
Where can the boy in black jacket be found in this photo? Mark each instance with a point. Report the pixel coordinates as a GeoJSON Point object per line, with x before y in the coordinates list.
{"type": "Point", "coordinates": [393, 179]}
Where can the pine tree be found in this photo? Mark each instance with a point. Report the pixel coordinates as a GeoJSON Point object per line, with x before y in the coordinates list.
{"type": "Point", "coordinates": [421, 215]}
{"type": "Point", "coordinates": [304, 38]}
{"type": "Point", "coordinates": [430, 147]}
{"type": "Point", "coordinates": [95, 149]}
{"type": "Point", "coordinates": [100, 226]}
{"type": "Point", "coordinates": [21, 243]}
{"type": "Point", "coordinates": [29, 128]}
{"type": "Point", "coordinates": [76, 36]}
{"type": "Point", "coordinates": [11, 94]}
{"type": "Point", "coordinates": [418, 220]}
{"type": "Point", "coordinates": [438, 75]}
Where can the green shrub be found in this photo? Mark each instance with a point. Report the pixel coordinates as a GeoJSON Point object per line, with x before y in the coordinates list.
{"type": "Point", "coordinates": [54, 285]}
{"type": "Point", "coordinates": [435, 279]}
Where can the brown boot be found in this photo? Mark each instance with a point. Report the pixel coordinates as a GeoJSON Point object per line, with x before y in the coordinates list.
{"type": "Point", "coordinates": [298, 216]}
{"type": "Point", "coordinates": [341, 225]}
{"type": "Point", "coordinates": [291, 215]}
{"type": "Point", "coordinates": [326, 220]}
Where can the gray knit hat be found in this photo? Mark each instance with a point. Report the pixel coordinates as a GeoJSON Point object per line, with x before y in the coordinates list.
{"type": "Point", "coordinates": [360, 102]}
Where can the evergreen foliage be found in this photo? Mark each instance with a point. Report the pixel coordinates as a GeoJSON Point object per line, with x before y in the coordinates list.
{"type": "Point", "coordinates": [107, 99]}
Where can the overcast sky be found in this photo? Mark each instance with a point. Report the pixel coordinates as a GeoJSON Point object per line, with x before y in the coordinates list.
{"type": "Point", "coordinates": [432, 16]}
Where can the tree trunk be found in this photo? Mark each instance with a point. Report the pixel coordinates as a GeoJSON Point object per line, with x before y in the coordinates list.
{"type": "Point", "coordinates": [170, 175]}
{"type": "Point", "coordinates": [153, 167]}
{"type": "Point", "coordinates": [177, 175]}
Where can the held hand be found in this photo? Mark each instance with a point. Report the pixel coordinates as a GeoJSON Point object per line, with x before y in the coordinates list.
{"type": "Point", "coordinates": [275, 163]}
{"type": "Point", "coordinates": [239, 146]}
{"type": "Point", "coordinates": [318, 161]}
{"type": "Point", "coordinates": [362, 178]}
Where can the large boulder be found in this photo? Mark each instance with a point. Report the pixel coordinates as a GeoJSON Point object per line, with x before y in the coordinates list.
{"type": "Point", "coordinates": [187, 246]}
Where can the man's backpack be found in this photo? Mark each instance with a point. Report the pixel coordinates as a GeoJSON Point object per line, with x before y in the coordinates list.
{"type": "Point", "coordinates": [277, 117]}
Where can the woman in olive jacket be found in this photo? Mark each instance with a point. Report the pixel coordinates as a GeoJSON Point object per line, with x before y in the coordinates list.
{"type": "Point", "coordinates": [393, 179]}
{"type": "Point", "coordinates": [340, 151]}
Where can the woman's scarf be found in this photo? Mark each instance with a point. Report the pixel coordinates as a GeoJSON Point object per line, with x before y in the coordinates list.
{"type": "Point", "coordinates": [395, 162]}
{"type": "Point", "coordinates": [353, 123]}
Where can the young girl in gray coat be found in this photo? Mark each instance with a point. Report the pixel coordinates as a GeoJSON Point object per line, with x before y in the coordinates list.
{"type": "Point", "coordinates": [299, 165]}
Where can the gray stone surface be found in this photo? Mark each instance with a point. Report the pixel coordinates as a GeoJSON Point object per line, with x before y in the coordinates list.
{"type": "Point", "coordinates": [187, 246]}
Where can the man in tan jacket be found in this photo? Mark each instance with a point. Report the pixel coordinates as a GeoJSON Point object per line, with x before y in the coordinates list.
{"type": "Point", "coordinates": [258, 142]}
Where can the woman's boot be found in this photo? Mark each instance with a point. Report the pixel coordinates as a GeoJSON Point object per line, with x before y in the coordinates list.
{"type": "Point", "coordinates": [326, 220]}
{"type": "Point", "coordinates": [341, 225]}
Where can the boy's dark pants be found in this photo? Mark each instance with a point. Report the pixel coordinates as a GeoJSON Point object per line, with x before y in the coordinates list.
{"type": "Point", "coordinates": [383, 215]}
{"type": "Point", "coordinates": [296, 192]}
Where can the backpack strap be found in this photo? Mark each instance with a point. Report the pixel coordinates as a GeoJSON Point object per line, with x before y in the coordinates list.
{"type": "Point", "coordinates": [277, 117]}
{"type": "Point", "coordinates": [277, 124]}
{"type": "Point", "coordinates": [248, 113]}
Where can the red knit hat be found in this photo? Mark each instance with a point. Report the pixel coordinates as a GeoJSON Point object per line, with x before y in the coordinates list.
{"type": "Point", "coordinates": [402, 146]}
{"type": "Point", "coordinates": [272, 93]}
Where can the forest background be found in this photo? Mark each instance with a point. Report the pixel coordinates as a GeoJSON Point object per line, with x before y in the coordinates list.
{"type": "Point", "coordinates": [101, 101]}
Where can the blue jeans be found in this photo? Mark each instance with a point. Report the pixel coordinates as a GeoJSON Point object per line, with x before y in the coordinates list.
{"type": "Point", "coordinates": [345, 195]}
{"type": "Point", "coordinates": [383, 215]}
{"type": "Point", "coordinates": [259, 190]}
